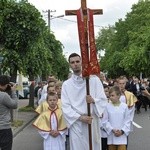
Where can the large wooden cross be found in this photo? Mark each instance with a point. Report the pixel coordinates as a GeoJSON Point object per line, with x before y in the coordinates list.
{"type": "Point", "coordinates": [96, 12]}
{"type": "Point", "coordinates": [84, 9]}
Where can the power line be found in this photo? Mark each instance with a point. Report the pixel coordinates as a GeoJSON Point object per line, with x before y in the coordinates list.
{"type": "Point", "coordinates": [76, 22]}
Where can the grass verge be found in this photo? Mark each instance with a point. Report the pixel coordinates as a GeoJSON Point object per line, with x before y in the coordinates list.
{"type": "Point", "coordinates": [17, 123]}
{"type": "Point", "coordinates": [26, 109]}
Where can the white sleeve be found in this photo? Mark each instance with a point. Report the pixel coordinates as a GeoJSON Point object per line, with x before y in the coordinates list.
{"type": "Point", "coordinates": [105, 122]}
{"type": "Point", "coordinates": [44, 134]}
{"type": "Point", "coordinates": [99, 98]}
{"type": "Point", "coordinates": [70, 115]}
{"type": "Point", "coordinates": [127, 123]}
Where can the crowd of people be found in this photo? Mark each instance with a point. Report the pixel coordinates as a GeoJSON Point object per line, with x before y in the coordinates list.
{"type": "Point", "coordinates": [121, 96]}
{"type": "Point", "coordinates": [62, 110]}
{"type": "Point", "coordinates": [108, 99]}
{"type": "Point", "coordinates": [72, 100]}
{"type": "Point", "coordinates": [139, 87]}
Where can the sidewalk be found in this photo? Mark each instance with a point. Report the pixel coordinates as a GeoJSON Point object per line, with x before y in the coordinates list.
{"type": "Point", "coordinates": [26, 117]}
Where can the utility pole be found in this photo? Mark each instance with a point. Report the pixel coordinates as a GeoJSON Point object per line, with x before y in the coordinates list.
{"type": "Point", "coordinates": [49, 17]}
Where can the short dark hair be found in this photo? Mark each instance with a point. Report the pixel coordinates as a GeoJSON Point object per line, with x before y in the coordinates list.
{"type": "Point", "coordinates": [73, 55]}
{"type": "Point", "coordinates": [105, 86]}
{"type": "Point", "coordinates": [4, 80]}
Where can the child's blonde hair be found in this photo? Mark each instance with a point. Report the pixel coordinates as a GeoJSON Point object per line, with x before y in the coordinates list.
{"type": "Point", "coordinates": [115, 89]}
{"type": "Point", "coordinates": [51, 94]}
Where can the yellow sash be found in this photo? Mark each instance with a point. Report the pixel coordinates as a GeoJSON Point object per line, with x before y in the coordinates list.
{"type": "Point", "coordinates": [130, 98]}
{"type": "Point", "coordinates": [43, 121]}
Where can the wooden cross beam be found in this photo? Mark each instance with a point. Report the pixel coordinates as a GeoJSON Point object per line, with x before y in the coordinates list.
{"type": "Point", "coordinates": [84, 9]}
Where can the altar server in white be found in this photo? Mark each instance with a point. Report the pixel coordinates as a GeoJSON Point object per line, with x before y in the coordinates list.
{"type": "Point", "coordinates": [51, 125]}
{"type": "Point", "coordinates": [116, 121]}
{"type": "Point", "coordinates": [74, 106]}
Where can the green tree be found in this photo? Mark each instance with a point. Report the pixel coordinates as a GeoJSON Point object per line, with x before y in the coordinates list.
{"type": "Point", "coordinates": [131, 42]}
{"type": "Point", "coordinates": [22, 27]}
{"type": "Point", "coordinates": [139, 39]}
{"type": "Point", "coordinates": [104, 38]}
{"type": "Point", "coordinates": [57, 60]}
{"type": "Point", "coordinates": [107, 41]}
{"type": "Point", "coordinates": [26, 43]}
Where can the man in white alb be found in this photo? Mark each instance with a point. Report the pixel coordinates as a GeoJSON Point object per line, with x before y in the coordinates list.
{"type": "Point", "coordinates": [74, 106]}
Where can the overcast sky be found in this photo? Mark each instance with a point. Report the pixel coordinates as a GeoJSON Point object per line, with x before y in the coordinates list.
{"type": "Point", "coordinates": [65, 29]}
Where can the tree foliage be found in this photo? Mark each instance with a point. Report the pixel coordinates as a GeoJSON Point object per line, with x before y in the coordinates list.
{"type": "Point", "coordinates": [21, 36]}
{"type": "Point", "coordinates": [27, 44]}
{"type": "Point", "coordinates": [128, 50]}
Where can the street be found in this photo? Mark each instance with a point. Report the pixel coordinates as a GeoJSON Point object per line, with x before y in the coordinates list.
{"type": "Point", "coordinates": [29, 139]}
{"type": "Point", "coordinates": [140, 138]}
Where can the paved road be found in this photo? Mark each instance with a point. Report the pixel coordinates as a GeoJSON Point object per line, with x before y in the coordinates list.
{"type": "Point", "coordinates": [140, 138]}
{"type": "Point", "coordinates": [29, 139]}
